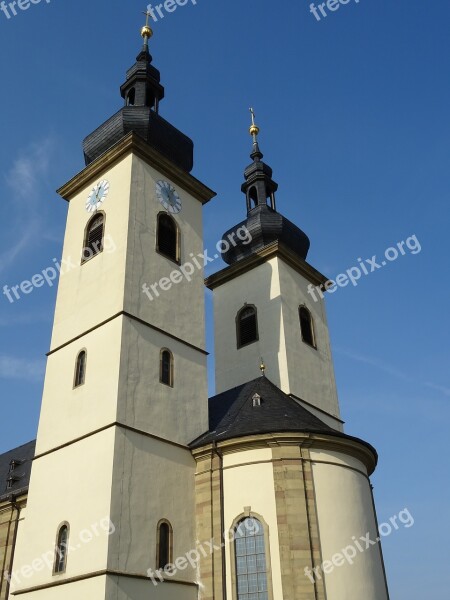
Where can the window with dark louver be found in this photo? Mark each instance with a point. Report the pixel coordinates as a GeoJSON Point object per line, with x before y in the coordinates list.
{"type": "Point", "coordinates": [93, 242]}
{"type": "Point", "coordinates": [247, 326]}
{"type": "Point", "coordinates": [306, 326]}
{"type": "Point", "coordinates": [167, 237]}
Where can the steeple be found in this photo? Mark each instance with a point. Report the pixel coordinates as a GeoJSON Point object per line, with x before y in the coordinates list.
{"type": "Point", "coordinates": [142, 86]}
{"type": "Point", "coordinates": [142, 93]}
{"type": "Point", "coordinates": [263, 222]}
{"type": "Point", "coordinates": [259, 186]}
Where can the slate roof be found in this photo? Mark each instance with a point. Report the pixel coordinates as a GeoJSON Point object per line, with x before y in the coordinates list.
{"type": "Point", "coordinates": [232, 415]}
{"type": "Point", "coordinates": [23, 456]}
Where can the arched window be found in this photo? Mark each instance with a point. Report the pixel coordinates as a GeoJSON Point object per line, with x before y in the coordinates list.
{"type": "Point", "coordinates": [164, 550]}
{"type": "Point", "coordinates": [167, 242]}
{"type": "Point", "coordinates": [80, 369]}
{"type": "Point", "coordinates": [252, 199]}
{"type": "Point", "coordinates": [131, 97]}
{"type": "Point", "coordinates": [252, 571]}
{"type": "Point", "coordinates": [247, 326]}
{"type": "Point", "coordinates": [93, 239]}
{"type": "Point", "coordinates": [62, 542]}
{"type": "Point", "coordinates": [166, 367]}
{"type": "Point", "coordinates": [307, 326]}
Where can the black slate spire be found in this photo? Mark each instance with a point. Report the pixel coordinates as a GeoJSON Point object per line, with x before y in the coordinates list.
{"type": "Point", "coordinates": [142, 86]}
{"type": "Point", "coordinates": [263, 222]}
{"type": "Point", "coordinates": [142, 93]}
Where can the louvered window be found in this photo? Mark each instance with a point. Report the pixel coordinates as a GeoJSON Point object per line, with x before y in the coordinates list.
{"type": "Point", "coordinates": [93, 243]}
{"type": "Point", "coordinates": [247, 326]}
{"type": "Point", "coordinates": [307, 327]}
{"type": "Point", "coordinates": [167, 237]}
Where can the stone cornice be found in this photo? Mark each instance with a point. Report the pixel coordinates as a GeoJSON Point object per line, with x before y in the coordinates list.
{"type": "Point", "coordinates": [261, 256]}
{"type": "Point", "coordinates": [339, 443]}
{"type": "Point", "coordinates": [134, 144]}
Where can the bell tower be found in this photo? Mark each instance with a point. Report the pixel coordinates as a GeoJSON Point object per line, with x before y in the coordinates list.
{"type": "Point", "coordinates": [262, 307]}
{"type": "Point", "coordinates": [126, 382]}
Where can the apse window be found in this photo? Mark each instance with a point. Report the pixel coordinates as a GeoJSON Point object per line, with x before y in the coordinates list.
{"type": "Point", "coordinates": [251, 561]}
{"type": "Point", "coordinates": [167, 237]}
{"type": "Point", "coordinates": [80, 369]}
{"type": "Point", "coordinates": [166, 367]}
{"type": "Point", "coordinates": [62, 541]}
{"type": "Point", "coordinates": [247, 326]}
{"type": "Point", "coordinates": [93, 238]}
{"type": "Point", "coordinates": [307, 326]}
{"type": "Point", "coordinates": [165, 544]}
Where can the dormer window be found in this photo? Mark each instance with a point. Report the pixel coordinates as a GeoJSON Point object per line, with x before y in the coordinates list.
{"type": "Point", "coordinates": [256, 400]}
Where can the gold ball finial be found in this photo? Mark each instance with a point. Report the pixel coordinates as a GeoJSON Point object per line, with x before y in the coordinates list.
{"type": "Point", "coordinates": [146, 32]}
{"type": "Point", "coordinates": [262, 367]}
{"type": "Point", "coordinates": [254, 129]}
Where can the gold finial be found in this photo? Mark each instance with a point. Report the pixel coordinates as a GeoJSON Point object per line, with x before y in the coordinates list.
{"type": "Point", "coordinates": [146, 31]}
{"type": "Point", "coordinates": [262, 367]}
{"type": "Point", "coordinates": [254, 129]}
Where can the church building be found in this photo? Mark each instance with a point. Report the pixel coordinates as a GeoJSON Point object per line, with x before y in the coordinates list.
{"type": "Point", "coordinates": [138, 486]}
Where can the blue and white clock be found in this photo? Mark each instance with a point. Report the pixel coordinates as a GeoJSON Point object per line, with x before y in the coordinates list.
{"type": "Point", "coordinates": [97, 196]}
{"type": "Point", "coordinates": [168, 196]}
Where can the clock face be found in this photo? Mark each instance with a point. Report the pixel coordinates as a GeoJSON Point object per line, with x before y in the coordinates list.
{"type": "Point", "coordinates": [97, 195]}
{"type": "Point", "coordinates": [167, 195]}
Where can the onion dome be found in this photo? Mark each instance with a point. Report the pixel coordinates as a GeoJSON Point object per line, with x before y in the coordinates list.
{"type": "Point", "coordinates": [263, 222]}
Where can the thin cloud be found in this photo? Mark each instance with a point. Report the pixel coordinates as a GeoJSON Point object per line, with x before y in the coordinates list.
{"type": "Point", "coordinates": [25, 181]}
{"type": "Point", "coordinates": [382, 366]}
{"type": "Point", "coordinates": [439, 388]}
{"type": "Point", "coordinates": [375, 362]}
{"type": "Point", "coordinates": [22, 369]}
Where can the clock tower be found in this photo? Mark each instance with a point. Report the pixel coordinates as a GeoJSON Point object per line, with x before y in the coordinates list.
{"type": "Point", "coordinates": [126, 384]}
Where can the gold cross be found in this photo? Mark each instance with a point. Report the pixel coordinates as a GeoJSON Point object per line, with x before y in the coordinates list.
{"type": "Point", "coordinates": [148, 15]}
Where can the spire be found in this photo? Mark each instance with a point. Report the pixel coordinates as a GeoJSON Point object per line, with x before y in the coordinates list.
{"type": "Point", "coordinates": [142, 93]}
{"type": "Point", "coordinates": [146, 31]}
{"type": "Point", "coordinates": [259, 186]}
{"type": "Point", "coordinates": [142, 86]}
{"type": "Point", "coordinates": [265, 224]}
{"type": "Point", "coordinates": [254, 132]}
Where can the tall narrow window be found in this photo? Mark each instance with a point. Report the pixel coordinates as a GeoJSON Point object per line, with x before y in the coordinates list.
{"type": "Point", "coordinates": [165, 544]}
{"type": "Point", "coordinates": [131, 97]}
{"type": "Point", "coordinates": [166, 367]}
{"type": "Point", "coordinates": [80, 369]}
{"type": "Point", "coordinates": [247, 326]}
{"type": "Point", "coordinates": [167, 237]}
{"type": "Point", "coordinates": [62, 541]}
{"type": "Point", "coordinates": [93, 239]}
{"type": "Point", "coordinates": [307, 326]}
{"type": "Point", "coordinates": [251, 560]}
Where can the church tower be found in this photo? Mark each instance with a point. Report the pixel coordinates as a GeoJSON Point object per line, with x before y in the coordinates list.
{"type": "Point", "coordinates": [282, 490]}
{"type": "Point", "coordinates": [112, 485]}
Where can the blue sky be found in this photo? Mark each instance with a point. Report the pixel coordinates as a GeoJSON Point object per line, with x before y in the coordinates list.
{"type": "Point", "coordinates": [354, 112]}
